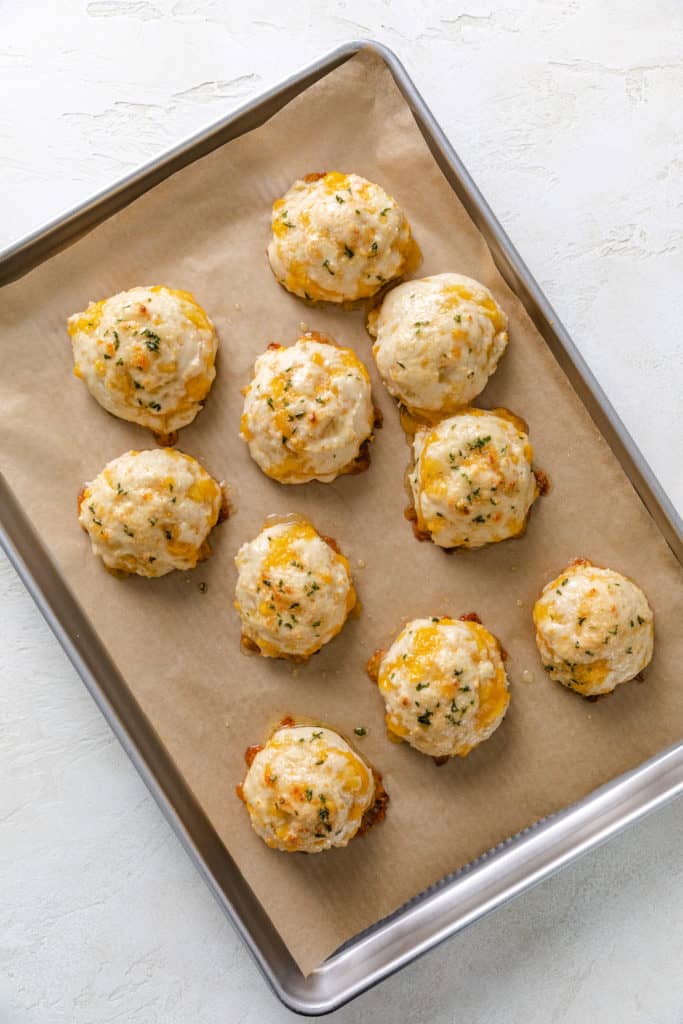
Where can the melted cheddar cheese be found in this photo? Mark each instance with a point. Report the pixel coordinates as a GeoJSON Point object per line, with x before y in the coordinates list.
{"type": "Point", "coordinates": [444, 686]}
{"type": "Point", "coordinates": [438, 340]}
{"type": "Point", "coordinates": [338, 238]}
{"type": "Point", "coordinates": [146, 355]}
{"type": "Point", "coordinates": [294, 591]}
{"type": "Point", "coordinates": [594, 629]}
{"type": "Point", "coordinates": [149, 512]}
{"type": "Point", "coordinates": [307, 411]}
{"type": "Point", "coordinates": [472, 480]}
{"type": "Point", "coordinates": [307, 790]}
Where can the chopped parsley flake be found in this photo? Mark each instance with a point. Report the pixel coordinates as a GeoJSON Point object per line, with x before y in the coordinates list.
{"type": "Point", "coordinates": [152, 341]}
{"type": "Point", "coordinates": [328, 268]}
{"type": "Point", "coordinates": [479, 442]}
{"type": "Point", "coordinates": [360, 730]}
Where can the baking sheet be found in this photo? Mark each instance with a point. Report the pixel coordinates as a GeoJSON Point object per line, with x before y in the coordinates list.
{"type": "Point", "coordinates": [205, 229]}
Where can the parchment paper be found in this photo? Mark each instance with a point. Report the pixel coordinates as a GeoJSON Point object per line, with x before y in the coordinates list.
{"type": "Point", "coordinates": [205, 229]}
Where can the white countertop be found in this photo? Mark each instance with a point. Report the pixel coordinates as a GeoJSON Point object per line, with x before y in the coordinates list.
{"type": "Point", "coordinates": [567, 113]}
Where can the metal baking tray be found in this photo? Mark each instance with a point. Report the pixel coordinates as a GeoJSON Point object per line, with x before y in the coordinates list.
{"type": "Point", "coordinates": [513, 866]}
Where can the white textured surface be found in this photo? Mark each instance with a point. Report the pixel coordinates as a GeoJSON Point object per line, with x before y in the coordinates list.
{"type": "Point", "coordinates": [567, 114]}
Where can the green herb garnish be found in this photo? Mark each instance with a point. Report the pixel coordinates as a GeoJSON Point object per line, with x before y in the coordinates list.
{"type": "Point", "coordinates": [91, 509]}
{"type": "Point", "coordinates": [152, 341]}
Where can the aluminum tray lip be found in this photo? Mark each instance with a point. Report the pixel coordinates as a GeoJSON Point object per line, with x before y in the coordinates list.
{"type": "Point", "coordinates": [530, 856]}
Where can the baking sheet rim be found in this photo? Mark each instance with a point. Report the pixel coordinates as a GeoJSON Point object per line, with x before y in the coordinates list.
{"type": "Point", "coordinates": [292, 995]}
